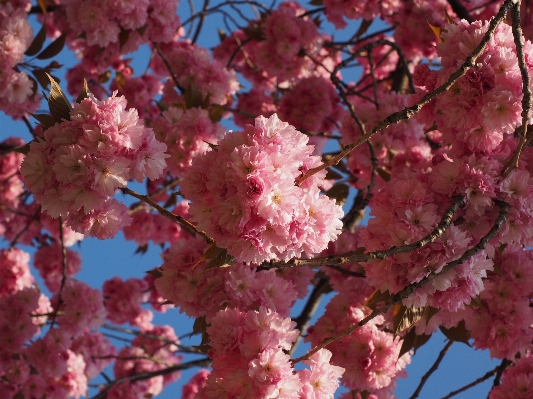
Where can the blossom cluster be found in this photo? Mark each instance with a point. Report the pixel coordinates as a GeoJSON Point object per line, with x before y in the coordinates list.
{"type": "Point", "coordinates": [101, 22]}
{"type": "Point", "coordinates": [74, 172]}
{"type": "Point", "coordinates": [199, 291]}
{"type": "Point", "coordinates": [192, 67]}
{"type": "Point", "coordinates": [251, 205]}
{"type": "Point", "coordinates": [146, 354]}
{"type": "Point", "coordinates": [370, 354]}
{"type": "Point", "coordinates": [17, 95]}
{"type": "Point", "coordinates": [247, 349]}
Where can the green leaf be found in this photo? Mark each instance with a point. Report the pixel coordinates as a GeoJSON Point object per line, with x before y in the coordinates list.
{"type": "Point", "coordinates": [404, 318]}
{"type": "Point", "coordinates": [84, 92]}
{"type": "Point", "coordinates": [37, 43]}
{"type": "Point", "coordinates": [45, 120]}
{"type": "Point", "coordinates": [339, 192]}
{"type": "Point", "coordinates": [458, 333]}
{"type": "Point", "coordinates": [57, 101]}
{"type": "Point", "coordinates": [53, 48]}
{"type": "Point", "coordinates": [413, 341]}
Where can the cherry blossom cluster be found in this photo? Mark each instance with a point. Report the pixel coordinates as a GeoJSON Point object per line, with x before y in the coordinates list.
{"type": "Point", "coordinates": [187, 133]}
{"type": "Point", "coordinates": [146, 227]}
{"type": "Point", "coordinates": [146, 354]}
{"type": "Point", "coordinates": [201, 291]}
{"type": "Point", "coordinates": [17, 95]}
{"type": "Point", "coordinates": [369, 355]}
{"type": "Point", "coordinates": [337, 10]}
{"type": "Point", "coordinates": [124, 299]}
{"type": "Point", "coordinates": [247, 349]}
{"type": "Point", "coordinates": [192, 67]}
{"type": "Point", "coordinates": [399, 143]}
{"type": "Point", "coordinates": [250, 203]}
{"type": "Point", "coordinates": [272, 50]}
{"type": "Point", "coordinates": [503, 324]}
{"type": "Point", "coordinates": [48, 261]}
{"type": "Point", "coordinates": [14, 271]}
{"type": "Point", "coordinates": [484, 106]}
{"type": "Point", "coordinates": [101, 22]}
{"type": "Point", "coordinates": [311, 105]}
{"type": "Point", "coordinates": [472, 119]}
{"type": "Point", "coordinates": [75, 170]}
{"type": "Point", "coordinates": [56, 364]}
{"type": "Point", "coordinates": [11, 185]}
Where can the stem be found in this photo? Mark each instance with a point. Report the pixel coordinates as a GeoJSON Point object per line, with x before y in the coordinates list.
{"type": "Point", "coordinates": [433, 368]}
{"type": "Point", "coordinates": [178, 219]}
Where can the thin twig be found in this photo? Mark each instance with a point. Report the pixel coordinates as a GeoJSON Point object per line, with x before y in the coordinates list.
{"type": "Point", "coordinates": [503, 365]}
{"type": "Point", "coordinates": [205, 362]}
{"type": "Point", "coordinates": [479, 380]}
{"type": "Point", "coordinates": [432, 369]}
{"type": "Point", "coordinates": [203, 14]}
{"type": "Point", "coordinates": [63, 272]}
{"type": "Point", "coordinates": [178, 219]}
{"type": "Point", "coordinates": [526, 90]}
{"type": "Point", "coordinates": [309, 310]}
{"type": "Point", "coordinates": [169, 68]}
{"type": "Point", "coordinates": [354, 256]}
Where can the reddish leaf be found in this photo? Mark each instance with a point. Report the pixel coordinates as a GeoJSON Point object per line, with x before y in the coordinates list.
{"type": "Point", "coordinates": [37, 43]}
{"type": "Point", "coordinates": [53, 48]}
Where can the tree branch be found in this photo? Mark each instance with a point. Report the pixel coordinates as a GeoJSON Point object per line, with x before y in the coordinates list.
{"type": "Point", "coordinates": [205, 362]}
{"type": "Point", "coordinates": [178, 219]}
{"type": "Point", "coordinates": [433, 368]}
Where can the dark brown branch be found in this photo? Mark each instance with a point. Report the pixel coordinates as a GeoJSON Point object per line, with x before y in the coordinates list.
{"type": "Point", "coordinates": [205, 362]}
{"type": "Point", "coordinates": [169, 68]}
{"type": "Point", "coordinates": [485, 377]}
{"type": "Point", "coordinates": [525, 138]}
{"type": "Point", "coordinates": [503, 365]}
{"type": "Point", "coordinates": [504, 211]}
{"type": "Point", "coordinates": [302, 321]}
{"type": "Point", "coordinates": [178, 219]}
{"type": "Point", "coordinates": [351, 257]}
{"type": "Point", "coordinates": [203, 14]}
{"type": "Point", "coordinates": [63, 272]}
{"type": "Point", "coordinates": [408, 112]}
{"type": "Point", "coordinates": [432, 369]}
{"type": "Point", "coordinates": [346, 271]}
{"type": "Point", "coordinates": [126, 330]}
